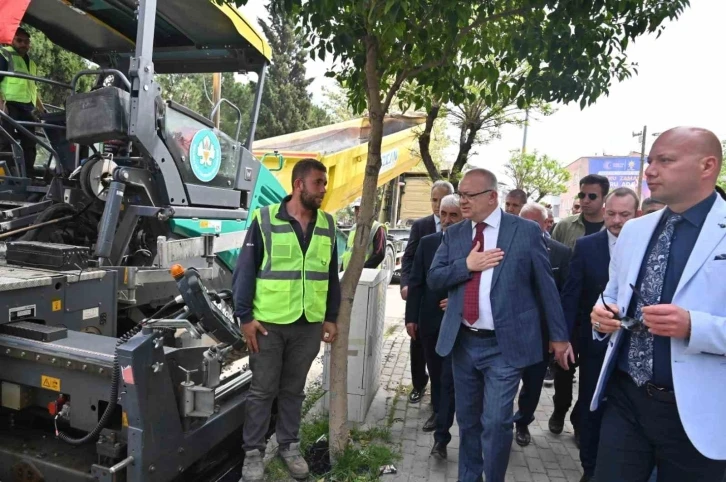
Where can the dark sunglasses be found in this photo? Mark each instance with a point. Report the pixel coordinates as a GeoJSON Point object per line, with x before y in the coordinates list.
{"type": "Point", "coordinates": [629, 323]}
{"type": "Point", "coordinates": [592, 195]}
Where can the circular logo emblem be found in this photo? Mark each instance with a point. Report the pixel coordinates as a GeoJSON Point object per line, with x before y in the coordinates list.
{"type": "Point", "coordinates": [205, 155]}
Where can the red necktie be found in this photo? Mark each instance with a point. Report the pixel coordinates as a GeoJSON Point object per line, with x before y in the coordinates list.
{"type": "Point", "coordinates": [471, 291]}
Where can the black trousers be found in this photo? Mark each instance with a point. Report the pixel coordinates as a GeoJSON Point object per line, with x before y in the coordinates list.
{"type": "Point", "coordinates": [590, 365]}
{"type": "Point", "coordinates": [532, 380]}
{"type": "Point", "coordinates": [640, 432]}
{"type": "Point", "coordinates": [28, 145]}
{"type": "Point", "coordinates": [419, 378]}
{"type": "Point", "coordinates": [564, 380]}
{"type": "Point", "coordinates": [442, 388]}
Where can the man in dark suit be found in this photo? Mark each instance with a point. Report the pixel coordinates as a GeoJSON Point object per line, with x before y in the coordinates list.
{"type": "Point", "coordinates": [424, 312]}
{"type": "Point", "coordinates": [588, 276]}
{"type": "Point", "coordinates": [534, 375]}
{"type": "Point", "coordinates": [421, 227]}
{"type": "Point", "coordinates": [498, 276]}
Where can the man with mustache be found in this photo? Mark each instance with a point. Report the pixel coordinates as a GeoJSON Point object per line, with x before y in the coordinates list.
{"type": "Point", "coordinates": [588, 275]}
{"type": "Point", "coordinates": [286, 298]}
{"type": "Point", "coordinates": [424, 312]}
{"type": "Point", "coordinates": [664, 320]}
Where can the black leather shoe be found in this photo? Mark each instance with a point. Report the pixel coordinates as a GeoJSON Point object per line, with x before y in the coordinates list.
{"type": "Point", "coordinates": [556, 424]}
{"type": "Point", "coordinates": [440, 450]}
{"type": "Point", "coordinates": [523, 437]}
{"type": "Point", "coordinates": [416, 395]}
{"type": "Point", "coordinates": [430, 424]}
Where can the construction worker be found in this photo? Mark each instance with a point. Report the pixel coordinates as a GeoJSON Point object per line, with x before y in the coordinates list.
{"type": "Point", "coordinates": [376, 250]}
{"type": "Point", "coordinates": [286, 297]}
{"type": "Point", "coordinates": [19, 97]}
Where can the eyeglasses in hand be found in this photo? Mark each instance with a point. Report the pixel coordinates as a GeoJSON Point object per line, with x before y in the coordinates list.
{"type": "Point", "coordinates": [629, 323]}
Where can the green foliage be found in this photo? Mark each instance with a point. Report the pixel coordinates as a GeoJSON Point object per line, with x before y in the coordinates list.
{"type": "Point", "coordinates": [194, 91]}
{"type": "Point", "coordinates": [537, 175]}
{"type": "Point", "coordinates": [57, 64]}
{"type": "Point", "coordinates": [312, 394]}
{"type": "Point", "coordinates": [336, 104]}
{"type": "Point", "coordinates": [359, 463]}
{"type": "Point", "coordinates": [276, 471]}
{"type": "Point", "coordinates": [574, 49]}
{"type": "Point", "coordinates": [722, 175]}
{"type": "Point", "coordinates": [286, 104]}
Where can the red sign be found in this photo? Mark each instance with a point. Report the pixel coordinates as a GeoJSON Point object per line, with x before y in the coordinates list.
{"type": "Point", "coordinates": [11, 13]}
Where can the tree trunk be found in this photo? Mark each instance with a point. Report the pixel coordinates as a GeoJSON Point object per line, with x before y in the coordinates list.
{"type": "Point", "coordinates": [466, 141]}
{"type": "Point", "coordinates": [339, 429]}
{"type": "Point", "coordinates": [424, 143]}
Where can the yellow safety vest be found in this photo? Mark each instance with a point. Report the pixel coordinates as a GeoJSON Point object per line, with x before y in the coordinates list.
{"type": "Point", "coordinates": [14, 89]}
{"type": "Point", "coordinates": [290, 283]}
{"type": "Point", "coordinates": [351, 241]}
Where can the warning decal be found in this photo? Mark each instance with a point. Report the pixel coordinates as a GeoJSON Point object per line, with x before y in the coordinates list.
{"type": "Point", "coordinates": [50, 383]}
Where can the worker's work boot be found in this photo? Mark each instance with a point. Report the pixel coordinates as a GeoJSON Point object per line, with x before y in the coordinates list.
{"type": "Point", "coordinates": [295, 462]}
{"type": "Point", "coordinates": [253, 469]}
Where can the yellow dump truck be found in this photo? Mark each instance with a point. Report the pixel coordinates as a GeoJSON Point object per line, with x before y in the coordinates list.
{"type": "Point", "coordinates": [343, 148]}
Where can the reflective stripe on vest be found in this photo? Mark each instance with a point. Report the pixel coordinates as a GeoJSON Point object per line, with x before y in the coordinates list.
{"type": "Point", "coordinates": [351, 241]}
{"type": "Point", "coordinates": [290, 284]}
{"type": "Point", "coordinates": [23, 91]}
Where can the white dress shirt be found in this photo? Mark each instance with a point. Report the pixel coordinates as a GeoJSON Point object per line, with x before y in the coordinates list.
{"type": "Point", "coordinates": [612, 239]}
{"type": "Point", "coordinates": [491, 235]}
{"type": "Point", "coordinates": [437, 220]}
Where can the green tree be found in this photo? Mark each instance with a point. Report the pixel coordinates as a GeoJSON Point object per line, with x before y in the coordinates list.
{"type": "Point", "coordinates": [57, 64]}
{"type": "Point", "coordinates": [575, 50]}
{"type": "Point", "coordinates": [538, 176]}
{"type": "Point", "coordinates": [286, 104]}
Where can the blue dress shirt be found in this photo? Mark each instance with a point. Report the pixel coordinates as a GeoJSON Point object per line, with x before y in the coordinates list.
{"type": "Point", "coordinates": [685, 235]}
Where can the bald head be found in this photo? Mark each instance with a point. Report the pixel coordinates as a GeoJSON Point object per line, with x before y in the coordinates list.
{"type": "Point", "coordinates": [683, 166]}
{"type": "Point", "coordinates": [700, 140]}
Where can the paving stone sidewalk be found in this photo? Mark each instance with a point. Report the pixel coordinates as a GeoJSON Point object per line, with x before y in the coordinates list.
{"type": "Point", "coordinates": [549, 458]}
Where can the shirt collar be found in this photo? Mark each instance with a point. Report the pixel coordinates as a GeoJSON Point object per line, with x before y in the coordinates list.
{"type": "Point", "coordinates": [612, 239]}
{"type": "Point", "coordinates": [492, 220]}
{"type": "Point", "coordinates": [437, 220]}
{"type": "Point", "coordinates": [697, 214]}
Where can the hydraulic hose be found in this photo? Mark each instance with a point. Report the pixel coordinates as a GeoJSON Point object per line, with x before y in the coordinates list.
{"type": "Point", "coordinates": [112, 401]}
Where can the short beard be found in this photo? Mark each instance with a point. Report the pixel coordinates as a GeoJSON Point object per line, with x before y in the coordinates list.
{"type": "Point", "coordinates": [309, 202]}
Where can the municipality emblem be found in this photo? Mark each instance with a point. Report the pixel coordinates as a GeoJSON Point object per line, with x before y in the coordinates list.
{"type": "Point", "coordinates": [205, 155]}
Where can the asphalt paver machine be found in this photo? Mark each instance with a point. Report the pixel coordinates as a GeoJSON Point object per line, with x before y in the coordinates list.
{"type": "Point", "coordinates": [119, 357]}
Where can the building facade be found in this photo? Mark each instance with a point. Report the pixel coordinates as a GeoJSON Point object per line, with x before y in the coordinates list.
{"type": "Point", "coordinates": [621, 171]}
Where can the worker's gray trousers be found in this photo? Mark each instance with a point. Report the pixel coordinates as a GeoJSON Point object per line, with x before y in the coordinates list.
{"type": "Point", "coordinates": [279, 370]}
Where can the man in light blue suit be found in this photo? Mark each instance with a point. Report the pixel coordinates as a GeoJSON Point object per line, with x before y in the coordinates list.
{"type": "Point", "coordinates": [664, 373]}
{"type": "Point", "coordinates": [497, 272]}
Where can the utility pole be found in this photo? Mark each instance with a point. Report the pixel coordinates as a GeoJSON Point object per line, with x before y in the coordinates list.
{"type": "Point", "coordinates": [524, 137]}
{"type": "Point", "coordinates": [642, 135]}
{"type": "Point", "coordinates": [216, 95]}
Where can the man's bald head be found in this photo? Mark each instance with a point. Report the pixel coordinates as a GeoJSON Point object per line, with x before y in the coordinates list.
{"type": "Point", "coordinates": [698, 140]}
{"type": "Point", "coordinates": [683, 166]}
